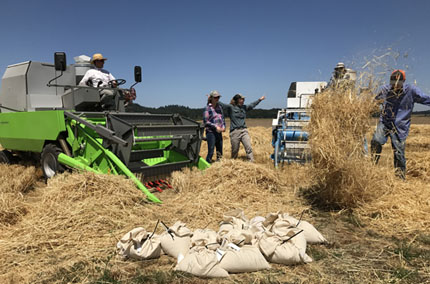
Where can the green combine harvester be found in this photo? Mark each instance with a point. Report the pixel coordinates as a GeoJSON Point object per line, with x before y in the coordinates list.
{"type": "Point", "coordinates": [46, 115]}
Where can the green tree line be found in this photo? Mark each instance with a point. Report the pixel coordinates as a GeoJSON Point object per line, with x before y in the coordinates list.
{"type": "Point", "coordinates": [197, 113]}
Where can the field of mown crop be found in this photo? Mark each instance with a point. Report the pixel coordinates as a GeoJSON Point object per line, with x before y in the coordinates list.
{"type": "Point", "coordinates": [65, 231]}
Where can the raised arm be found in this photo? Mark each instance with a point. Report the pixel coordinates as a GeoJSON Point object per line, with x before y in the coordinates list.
{"type": "Point", "coordinates": [420, 97]}
{"type": "Point", "coordinates": [254, 104]}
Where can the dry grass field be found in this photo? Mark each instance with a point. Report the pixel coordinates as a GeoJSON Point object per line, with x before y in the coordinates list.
{"type": "Point", "coordinates": [65, 231]}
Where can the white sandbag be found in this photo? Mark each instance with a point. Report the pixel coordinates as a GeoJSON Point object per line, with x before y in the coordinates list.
{"type": "Point", "coordinates": [201, 262]}
{"type": "Point", "coordinates": [243, 259]}
{"type": "Point", "coordinates": [236, 213]}
{"type": "Point", "coordinates": [237, 236]}
{"type": "Point", "coordinates": [256, 224]}
{"type": "Point", "coordinates": [232, 220]}
{"type": "Point", "coordinates": [224, 228]}
{"type": "Point", "coordinates": [178, 241]}
{"type": "Point", "coordinates": [139, 244]}
{"type": "Point", "coordinates": [236, 218]}
{"type": "Point", "coordinates": [282, 227]}
{"type": "Point", "coordinates": [270, 219]}
{"type": "Point", "coordinates": [284, 249]}
{"type": "Point", "coordinates": [312, 235]}
{"type": "Point", "coordinates": [204, 238]}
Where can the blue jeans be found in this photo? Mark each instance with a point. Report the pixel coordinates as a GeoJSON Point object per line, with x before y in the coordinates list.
{"type": "Point", "coordinates": [214, 140]}
{"type": "Point", "coordinates": [380, 137]}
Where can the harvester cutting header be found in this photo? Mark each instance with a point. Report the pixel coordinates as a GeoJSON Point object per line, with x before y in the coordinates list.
{"type": "Point", "coordinates": [44, 111]}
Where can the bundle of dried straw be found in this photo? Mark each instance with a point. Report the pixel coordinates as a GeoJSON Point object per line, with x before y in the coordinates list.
{"type": "Point", "coordinates": [343, 174]}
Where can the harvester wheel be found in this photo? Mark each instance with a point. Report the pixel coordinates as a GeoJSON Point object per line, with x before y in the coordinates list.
{"type": "Point", "coordinates": [6, 157]}
{"type": "Point", "coordinates": [49, 161]}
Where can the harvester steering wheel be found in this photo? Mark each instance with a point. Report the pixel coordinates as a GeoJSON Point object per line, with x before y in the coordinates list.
{"type": "Point", "coordinates": [118, 82]}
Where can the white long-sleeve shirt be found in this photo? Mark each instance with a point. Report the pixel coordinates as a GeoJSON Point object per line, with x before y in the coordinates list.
{"type": "Point", "coordinates": [97, 75]}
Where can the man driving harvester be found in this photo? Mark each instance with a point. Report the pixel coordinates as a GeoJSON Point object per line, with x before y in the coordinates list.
{"type": "Point", "coordinates": [99, 77]}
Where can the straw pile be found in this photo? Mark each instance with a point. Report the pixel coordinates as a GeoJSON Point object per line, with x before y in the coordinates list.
{"type": "Point", "coordinates": [73, 220]}
{"type": "Point", "coordinates": [233, 184]}
{"type": "Point", "coordinates": [404, 206]}
{"type": "Point", "coordinates": [15, 181]}
{"type": "Point", "coordinates": [342, 175]}
{"type": "Point", "coordinates": [78, 218]}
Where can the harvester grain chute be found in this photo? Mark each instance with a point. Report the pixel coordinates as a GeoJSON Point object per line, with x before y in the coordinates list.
{"type": "Point", "coordinates": [289, 136]}
{"type": "Point", "coordinates": [68, 126]}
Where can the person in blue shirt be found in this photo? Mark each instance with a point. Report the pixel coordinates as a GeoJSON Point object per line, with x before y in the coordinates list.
{"type": "Point", "coordinates": [236, 110]}
{"type": "Point", "coordinates": [397, 99]}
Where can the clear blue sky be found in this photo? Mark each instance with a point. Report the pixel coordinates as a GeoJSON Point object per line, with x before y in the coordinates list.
{"type": "Point", "coordinates": [189, 47]}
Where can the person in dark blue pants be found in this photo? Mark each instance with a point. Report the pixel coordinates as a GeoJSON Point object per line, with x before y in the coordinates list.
{"type": "Point", "coordinates": [397, 99]}
{"type": "Point", "coordinates": [213, 119]}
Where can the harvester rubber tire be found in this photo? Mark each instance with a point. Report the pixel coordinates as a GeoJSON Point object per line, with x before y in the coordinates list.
{"type": "Point", "coordinates": [6, 157]}
{"type": "Point", "coordinates": [49, 161]}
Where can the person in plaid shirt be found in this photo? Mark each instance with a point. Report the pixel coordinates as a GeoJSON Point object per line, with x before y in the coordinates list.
{"type": "Point", "coordinates": [213, 119]}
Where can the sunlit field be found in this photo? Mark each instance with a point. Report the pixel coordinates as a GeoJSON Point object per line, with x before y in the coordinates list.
{"type": "Point", "coordinates": [66, 230]}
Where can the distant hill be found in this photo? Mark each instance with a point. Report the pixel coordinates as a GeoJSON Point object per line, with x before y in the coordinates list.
{"type": "Point", "coordinates": [425, 113]}
{"type": "Point", "coordinates": [197, 113]}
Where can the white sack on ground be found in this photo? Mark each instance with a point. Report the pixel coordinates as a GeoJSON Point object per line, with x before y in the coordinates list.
{"type": "Point", "coordinates": [284, 221]}
{"type": "Point", "coordinates": [277, 249]}
{"type": "Point", "coordinates": [232, 220]}
{"type": "Point", "coordinates": [139, 244]}
{"type": "Point", "coordinates": [244, 259]}
{"type": "Point", "coordinates": [204, 237]}
{"type": "Point", "coordinates": [236, 218]}
{"type": "Point", "coordinates": [312, 235]}
{"type": "Point", "coordinates": [236, 236]}
{"type": "Point", "coordinates": [256, 224]}
{"type": "Point", "coordinates": [235, 214]}
{"type": "Point", "coordinates": [270, 219]}
{"type": "Point", "coordinates": [178, 241]}
{"type": "Point", "coordinates": [201, 262]}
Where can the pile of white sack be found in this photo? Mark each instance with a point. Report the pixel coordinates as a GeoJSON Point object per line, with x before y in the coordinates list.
{"type": "Point", "coordinates": [240, 245]}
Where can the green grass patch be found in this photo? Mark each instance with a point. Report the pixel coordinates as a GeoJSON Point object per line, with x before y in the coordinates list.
{"type": "Point", "coordinates": [403, 273]}
{"type": "Point", "coordinates": [424, 239]}
{"type": "Point", "coordinates": [316, 253]}
{"type": "Point", "coordinates": [407, 251]}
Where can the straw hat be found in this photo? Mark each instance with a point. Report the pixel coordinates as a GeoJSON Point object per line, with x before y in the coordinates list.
{"type": "Point", "coordinates": [97, 56]}
{"type": "Point", "coordinates": [214, 94]}
{"type": "Point", "coordinates": [339, 65]}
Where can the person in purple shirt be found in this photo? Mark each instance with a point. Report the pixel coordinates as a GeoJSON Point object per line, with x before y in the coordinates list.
{"type": "Point", "coordinates": [397, 99]}
{"type": "Point", "coordinates": [213, 119]}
